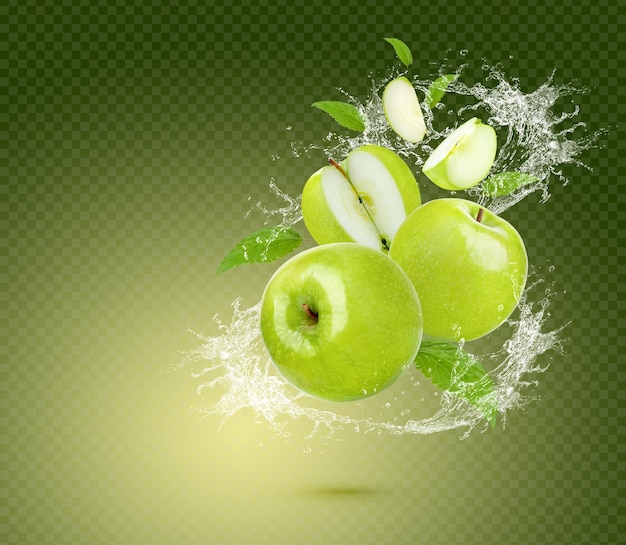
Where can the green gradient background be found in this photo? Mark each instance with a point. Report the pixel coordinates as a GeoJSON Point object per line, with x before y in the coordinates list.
{"type": "Point", "coordinates": [132, 137]}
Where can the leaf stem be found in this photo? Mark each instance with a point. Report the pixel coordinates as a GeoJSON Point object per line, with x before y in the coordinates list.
{"type": "Point", "coordinates": [479, 217]}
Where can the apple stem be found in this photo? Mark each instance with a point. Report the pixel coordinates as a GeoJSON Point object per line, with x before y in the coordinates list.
{"type": "Point", "coordinates": [338, 167]}
{"type": "Point", "coordinates": [310, 312]}
{"type": "Point", "coordinates": [480, 215]}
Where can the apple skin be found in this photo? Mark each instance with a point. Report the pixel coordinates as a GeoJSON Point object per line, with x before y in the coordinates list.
{"type": "Point", "coordinates": [469, 275]}
{"type": "Point", "coordinates": [368, 328]}
{"type": "Point", "coordinates": [389, 198]}
{"type": "Point", "coordinates": [466, 161]}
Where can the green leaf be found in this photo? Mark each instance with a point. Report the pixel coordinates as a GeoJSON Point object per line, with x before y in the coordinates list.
{"type": "Point", "coordinates": [343, 113]}
{"type": "Point", "coordinates": [262, 246]}
{"type": "Point", "coordinates": [454, 370]}
{"type": "Point", "coordinates": [402, 51]}
{"type": "Point", "coordinates": [504, 183]}
{"type": "Point", "coordinates": [438, 89]}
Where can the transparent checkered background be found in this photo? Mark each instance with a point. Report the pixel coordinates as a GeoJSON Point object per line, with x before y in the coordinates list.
{"type": "Point", "coordinates": [132, 136]}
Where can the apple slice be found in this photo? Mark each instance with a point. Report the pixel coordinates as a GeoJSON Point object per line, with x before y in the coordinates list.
{"type": "Point", "coordinates": [402, 110]}
{"type": "Point", "coordinates": [364, 200]}
{"type": "Point", "coordinates": [464, 157]}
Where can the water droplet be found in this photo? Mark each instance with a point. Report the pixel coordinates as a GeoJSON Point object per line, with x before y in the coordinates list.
{"type": "Point", "coordinates": [387, 404]}
{"type": "Point", "coordinates": [307, 450]}
{"type": "Point", "coordinates": [463, 52]}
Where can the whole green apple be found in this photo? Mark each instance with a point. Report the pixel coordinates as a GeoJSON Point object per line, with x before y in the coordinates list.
{"type": "Point", "coordinates": [468, 267]}
{"type": "Point", "coordinates": [341, 321]}
{"type": "Point", "coordinates": [364, 200]}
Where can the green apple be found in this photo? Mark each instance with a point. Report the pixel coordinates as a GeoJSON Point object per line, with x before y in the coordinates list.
{"type": "Point", "coordinates": [341, 321]}
{"type": "Point", "coordinates": [464, 157]}
{"type": "Point", "coordinates": [402, 110]}
{"type": "Point", "coordinates": [468, 267]}
{"type": "Point", "coordinates": [364, 200]}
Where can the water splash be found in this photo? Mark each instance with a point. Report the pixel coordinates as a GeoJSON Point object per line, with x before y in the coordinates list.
{"type": "Point", "coordinates": [290, 213]}
{"type": "Point", "coordinates": [234, 368]}
{"type": "Point", "coordinates": [534, 138]}
{"type": "Point", "coordinates": [537, 140]}
{"type": "Point", "coordinates": [236, 373]}
{"type": "Point", "coordinates": [377, 131]}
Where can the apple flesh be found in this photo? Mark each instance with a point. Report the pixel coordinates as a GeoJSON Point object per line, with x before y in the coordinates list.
{"type": "Point", "coordinates": [341, 321]}
{"type": "Point", "coordinates": [364, 200]}
{"type": "Point", "coordinates": [468, 267]}
{"type": "Point", "coordinates": [402, 110]}
{"type": "Point", "coordinates": [464, 157]}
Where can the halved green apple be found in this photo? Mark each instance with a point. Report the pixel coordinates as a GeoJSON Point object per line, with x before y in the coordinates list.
{"type": "Point", "coordinates": [402, 110]}
{"type": "Point", "coordinates": [464, 157]}
{"type": "Point", "coordinates": [364, 199]}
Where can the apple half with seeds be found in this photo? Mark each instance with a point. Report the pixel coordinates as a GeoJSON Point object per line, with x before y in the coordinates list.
{"type": "Point", "coordinates": [464, 157]}
{"type": "Point", "coordinates": [402, 110]}
{"type": "Point", "coordinates": [364, 199]}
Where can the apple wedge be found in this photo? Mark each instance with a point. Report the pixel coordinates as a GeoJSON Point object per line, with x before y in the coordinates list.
{"type": "Point", "coordinates": [464, 157]}
{"type": "Point", "coordinates": [364, 200]}
{"type": "Point", "coordinates": [402, 110]}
